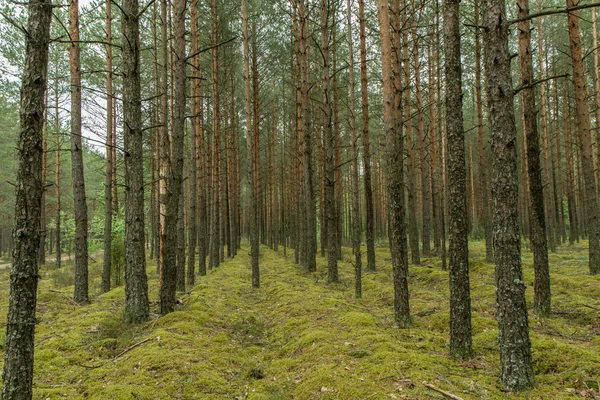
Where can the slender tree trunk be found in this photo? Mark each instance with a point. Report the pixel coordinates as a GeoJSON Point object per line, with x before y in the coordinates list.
{"type": "Point", "coordinates": [275, 174]}
{"type": "Point", "coordinates": [108, 212]}
{"type": "Point", "coordinates": [424, 159]}
{"type": "Point", "coordinates": [515, 346]}
{"type": "Point", "coordinates": [582, 110]}
{"type": "Point", "coordinates": [168, 284]}
{"type": "Point", "coordinates": [482, 159]}
{"type": "Point", "coordinates": [413, 230]}
{"type": "Point", "coordinates": [356, 220]}
{"type": "Point", "coordinates": [57, 176]}
{"type": "Point", "coordinates": [196, 92]}
{"type": "Point", "coordinates": [392, 94]}
{"type": "Point", "coordinates": [136, 283]}
{"type": "Point", "coordinates": [18, 351]}
{"type": "Point", "coordinates": [460, 296]}
{"type": "Point", "coordinates": [596, 88]}
{"type": "Point", "coordinates": [43, 225]}
{"type": "Point", "coordinates": [310, 229]}
{"type": "Point", "coordinates": [79, 201]}
{"type": "Point", "coordinates": [252, 214]}
{"type": "Point", "coordinates": [369, 209]}
{"type": "Point", "coordinates": [571, 203]}
{"type": "Point", "coordinates": [541, 302]}
{"type": "Point", "coordinates": [329, 140]}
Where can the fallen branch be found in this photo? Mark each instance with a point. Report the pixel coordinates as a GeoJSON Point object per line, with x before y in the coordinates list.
{"type": "Point", "coordinates": [131, 348]}
{"type": "Point", "coordinates": [592, 307]}
{"type": "Point", "coordinates": [446, 394]}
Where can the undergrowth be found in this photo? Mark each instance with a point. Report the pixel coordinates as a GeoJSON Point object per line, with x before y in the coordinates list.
{"type": "Point", "coordinates": [298, 338]}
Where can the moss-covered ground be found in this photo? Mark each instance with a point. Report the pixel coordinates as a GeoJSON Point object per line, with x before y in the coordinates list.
{"type": "Point", "coordinates": [298, 338]}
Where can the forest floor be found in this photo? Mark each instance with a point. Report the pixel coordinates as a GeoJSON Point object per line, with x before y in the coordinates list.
{"type": "Point", "coordinates": [298, 338]}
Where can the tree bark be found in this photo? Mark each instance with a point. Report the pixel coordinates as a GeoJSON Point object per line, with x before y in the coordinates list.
{"type": "Point", "coordinates": [108, 212]}
{"type": "Point", "coordinates": [483, 164]}
{"type": "Point", "coordinates": [310, 227]}
{"type": "Point", "coordinates": [252, 214]}
{"type": "Point", "coordinates": [541, 302]}
{"type": "Point", "coordinates": [392, 95]}
{"type": "Point", "coordinates": [329, 141]}
{"type": "Point", "coordinates": [460, 296]}
{"type": "Point", "coordinates": [364, 91]}
{"type": "Point", "coordinates": [356, 219]}
{"type": "Point", "coordinates": [582, 110]}
{"type": "Point", "coordinates": [18, 352]}
{"type": "Point", "coordinates": [413, 230]}
{"type": "Point", "coordinates": [57, 176]}
{"type": "Point", "coordinates": [168, 284]}
{"type": "Point", "coordinates": [515, 346]}
{"type": "Point", "coordinates": [80, 294]}
{"type": "Point", "coordinates": [136, 283]}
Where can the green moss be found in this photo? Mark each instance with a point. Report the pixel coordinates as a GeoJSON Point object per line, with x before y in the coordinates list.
{"type": "Point", "coordinates": [357, 319]}
{"type": "Point", "coordinates": [309, 339]}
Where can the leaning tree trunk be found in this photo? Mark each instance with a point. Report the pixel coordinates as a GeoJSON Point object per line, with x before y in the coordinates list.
{"type": "Point", "coordinates": [513, 336]}
{"type": "Point", "coordinates": [18, 351]}
{"type": "Point", "coordinates": [79, 201]}
{"type": "Point", "coordinates": [541, 301]}
{"type": "Point", "coordinates": [460, 297]}
{"type": "Point", "coordinates": [136, 283]}
{"type": "Point", "coordinates": [582, 110]}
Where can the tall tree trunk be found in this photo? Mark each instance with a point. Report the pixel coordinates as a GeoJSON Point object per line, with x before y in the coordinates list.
{"type": "Point", "coordinates": [108, 212]}
{"type": "Point", "coordinates": [513, 338]}
{"type": "Point", "coordinates": [596, 88]}
{"type": "Point", "coordinates": [310, 227]}
{"type": "Point", "coordinates": [424, 159]}
{"type": "Point", "coordinates": [80, 294]}
{"type": "Point", "coordinates": [136, 283]}
{"type": "Point", "coordinates": [571, 203]}
{"type": "Point", "coordinates": [483, 162]}
{"type": "Point", "coordinates": [329, 140]}
{"type": "Point", "coordinates": [356, 219]}
{"type": "Point", "coordinates": [168, 284]}
{"type": "Point", "coordinates": [17, 377]}
{"type": "Point", "coordinates": [582, 110]}
{"type": "Point", "coordinates": [541, 302]}
{"type": "Point", "coordinates": [194, 145]}
{"type": "Point", "coordinates": [364, 91]}
{"type": "Point", "coordinates": [392, 95]}
{"type": "Point", "coordinates": [252, 214]}
{"type": "Point", "coordinates": [215, 235]}
{"type": "Point", "coordinates": [460, 296]}
{"type": "Point", "coordinates": [413, 230]}
{"type": "Point", "coordinates": [550, 223]}
{"type": "Point", "coordinates": [57, 176]}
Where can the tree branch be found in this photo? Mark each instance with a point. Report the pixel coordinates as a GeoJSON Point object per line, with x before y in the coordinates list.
{"type": "Point", "coordinates": [552, 12]}
{"type": "Point", "coordinates": [534, 83]}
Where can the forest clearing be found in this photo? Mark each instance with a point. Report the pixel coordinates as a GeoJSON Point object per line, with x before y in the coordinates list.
{"type": "Point", "coordinates": [300, 338]}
